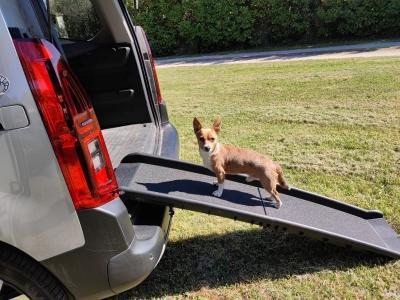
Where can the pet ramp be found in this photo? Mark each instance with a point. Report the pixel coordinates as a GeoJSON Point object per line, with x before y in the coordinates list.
{"type": "Point", "coordinates": [184, 185]}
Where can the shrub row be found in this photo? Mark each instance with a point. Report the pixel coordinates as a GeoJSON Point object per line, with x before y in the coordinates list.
{"type": "Point", "coordinates": [189, 26]}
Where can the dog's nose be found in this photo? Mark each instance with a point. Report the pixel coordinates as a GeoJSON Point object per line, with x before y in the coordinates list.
{"type": "Point", "coordinates": [206, 148]}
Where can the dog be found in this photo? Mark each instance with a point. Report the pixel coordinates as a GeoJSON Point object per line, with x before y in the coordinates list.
{"type": "Point", "coordinates": [227, 159]}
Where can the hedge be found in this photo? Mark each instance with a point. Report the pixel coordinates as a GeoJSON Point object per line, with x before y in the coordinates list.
{"type": "Point", "coordinates": [193, 26]}
{"type": "Point", "coordinates": [202, 27]}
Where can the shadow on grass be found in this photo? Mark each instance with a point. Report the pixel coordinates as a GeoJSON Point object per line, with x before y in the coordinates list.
{"type": "Point", "coordinates": [242, 256]}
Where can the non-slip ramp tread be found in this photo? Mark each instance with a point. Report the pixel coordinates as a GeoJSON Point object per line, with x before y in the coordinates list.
{"type": "Point", "coordinates": [196, 189]}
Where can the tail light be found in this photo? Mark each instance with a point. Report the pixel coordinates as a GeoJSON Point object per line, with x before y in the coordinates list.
{"type": "Point", "coordinates": [153, 67]}
{"type": "Point", "coordinates": [70, 122]}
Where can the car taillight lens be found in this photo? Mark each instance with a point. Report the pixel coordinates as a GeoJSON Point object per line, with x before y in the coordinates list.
{"type": "Point", "coordinates": [70, 122]}
{"type": "Point", "coordinates": [153, 67]}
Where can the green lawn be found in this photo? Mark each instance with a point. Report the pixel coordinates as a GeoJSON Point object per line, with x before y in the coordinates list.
{"type": "Point", "coordinates": [334, 126]}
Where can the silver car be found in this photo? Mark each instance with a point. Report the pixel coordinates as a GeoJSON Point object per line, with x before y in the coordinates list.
{"type": "Point", "coordinates": [89, 173]}
{"type": "Point", "coordinates": [78, 92]}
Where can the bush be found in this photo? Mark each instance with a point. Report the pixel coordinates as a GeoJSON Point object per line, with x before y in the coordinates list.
{"type": "Point", "coordinates": [186, 26]}
{"type": "Point", "coordinates": [280, 20]}
{"type": "Point", "coordinates": [214, 25]}
{"type": "Point", "coordinates": [360, 18]}
{"type": "Point", "coordinates": [161, 20]}
{"type": "Point", "coordinates": [78, 17]}
{"type": "Point", "coordinates": [193, 25]}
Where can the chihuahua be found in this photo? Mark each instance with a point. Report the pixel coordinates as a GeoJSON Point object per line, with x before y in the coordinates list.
{"type": "Point", "coordinates": [227, 159]}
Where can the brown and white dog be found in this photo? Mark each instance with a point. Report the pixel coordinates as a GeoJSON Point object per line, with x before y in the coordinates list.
{"type": "Point", "coordinates": [228, 159]}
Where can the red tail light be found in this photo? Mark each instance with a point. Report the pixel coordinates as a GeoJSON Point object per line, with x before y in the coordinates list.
{"type": "Point", "coordinates": [71, 124]}
{"type": "Point", "coordinates": [153, 66]}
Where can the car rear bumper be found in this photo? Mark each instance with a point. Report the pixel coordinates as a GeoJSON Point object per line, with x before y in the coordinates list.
{"type": "Point", "coordinates": [117, 255]}
{"type": "Point", "coordinates": [132, 266]}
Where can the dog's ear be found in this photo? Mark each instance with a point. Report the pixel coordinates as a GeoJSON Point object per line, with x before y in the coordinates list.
{"type": "Point", "coordinates": [217, 124]}
{"type": "Point", "coordinates": [196, 125]}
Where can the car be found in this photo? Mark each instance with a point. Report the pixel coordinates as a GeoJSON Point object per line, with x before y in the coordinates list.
{"type": "Point", "coordinates": [78, 92]}
{"type": "Point", "coordinates": [89, 169]}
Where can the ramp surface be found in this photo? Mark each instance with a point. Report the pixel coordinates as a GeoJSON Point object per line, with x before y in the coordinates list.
{"type": "Point", "coordinates": [189, 186]}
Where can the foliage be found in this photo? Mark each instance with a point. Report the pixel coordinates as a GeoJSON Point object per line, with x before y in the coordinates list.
{"type": "Point", "coordinates": [280, 20]}
{"type": "Point", "coordinates": [214, 25]}
{"type": "Point", "coordinates": [186, 26]}
{"type": "Point", "coordinates": [75, 19]}
{"type": "Point", "coordinates": [161, 20]}
{"type": "Point", "coordinates": [358, 17]}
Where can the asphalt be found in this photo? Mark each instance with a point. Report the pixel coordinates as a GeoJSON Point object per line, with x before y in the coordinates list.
{"type": "Point", "coordinates": [371, 49]}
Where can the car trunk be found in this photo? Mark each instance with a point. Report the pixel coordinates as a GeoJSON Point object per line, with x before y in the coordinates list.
{"type": "Point", "coordinates": [111, 77]}
{"type": "Point", "coordinates": [110, 63]}
{"type": "Point", "coordinates": [124, 140]}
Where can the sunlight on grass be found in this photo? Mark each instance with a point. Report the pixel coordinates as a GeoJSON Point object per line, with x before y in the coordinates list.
{"type": "Point", "coordinates": [335, 128]}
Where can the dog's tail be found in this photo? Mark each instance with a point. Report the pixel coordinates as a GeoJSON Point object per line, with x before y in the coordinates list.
{"type": "Point", "coordinates": [281, 179]}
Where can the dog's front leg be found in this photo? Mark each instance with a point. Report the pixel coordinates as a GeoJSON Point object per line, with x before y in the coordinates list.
{"type": "Point", "coordinates": [219, 191]}
{"type": "Point", "coordinates": [220, 173]}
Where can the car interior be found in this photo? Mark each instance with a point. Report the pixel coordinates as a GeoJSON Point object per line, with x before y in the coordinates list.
{"type": "Point", "coordinates": [99, 51]}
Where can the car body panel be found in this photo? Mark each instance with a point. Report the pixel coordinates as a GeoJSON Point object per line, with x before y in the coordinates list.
{"type": "Point", "coordinates": [36, 211]}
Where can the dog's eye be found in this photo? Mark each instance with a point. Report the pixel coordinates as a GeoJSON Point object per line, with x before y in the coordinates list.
{"type": "Point", "coordinates": [212, 139]}
{"type": "Point", "coordinates": [201, 139]}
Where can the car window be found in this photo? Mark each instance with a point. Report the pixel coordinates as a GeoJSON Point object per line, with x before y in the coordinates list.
{"type": "Point", "coordinates": [75, 19]}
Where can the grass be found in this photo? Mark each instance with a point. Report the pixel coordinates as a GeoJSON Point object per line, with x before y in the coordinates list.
{"type": "Point", "coordinates": [335, 128]}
